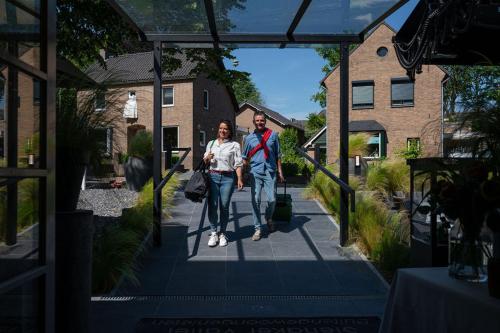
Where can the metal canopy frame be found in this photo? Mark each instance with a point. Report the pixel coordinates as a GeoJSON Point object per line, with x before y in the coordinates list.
{"type": "Point", "coordinates": [217, 40]}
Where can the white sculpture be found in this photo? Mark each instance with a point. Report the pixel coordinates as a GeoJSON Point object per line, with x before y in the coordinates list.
{"type": "Point", "coordinates": [130, 110]}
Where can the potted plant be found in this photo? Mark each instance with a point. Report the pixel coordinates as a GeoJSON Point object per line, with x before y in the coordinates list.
{"type": "Point", "coordinates": [77, 145]}
{"type": "Point", "coordinates": [139, 165]}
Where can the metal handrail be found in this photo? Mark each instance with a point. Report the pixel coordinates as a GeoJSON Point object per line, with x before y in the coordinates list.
{"type": "Point", "coordinates": [336, 179]}
{"type": "Point", "coordinates": [172, 169]}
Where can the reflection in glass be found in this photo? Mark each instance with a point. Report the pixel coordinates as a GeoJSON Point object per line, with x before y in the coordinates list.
{"type": "Point", "coordinates": [22, 37]}
{"type": "Point", "coordinates": [19, 309]}
{"type": "Point", "coordinates": [19, 226]}
{"type": "Point", "coordinates": [172, 16]}
{"type": "Point", "coordinates": [257, 16]}
{"type": "Point", "coordinates": [28, 122]}
{"type": "Point", "coordinates": [342, 16]}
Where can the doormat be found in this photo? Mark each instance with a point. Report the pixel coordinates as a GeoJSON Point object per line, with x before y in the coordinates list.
{"type": "Point", "coordinates": [260, 325]}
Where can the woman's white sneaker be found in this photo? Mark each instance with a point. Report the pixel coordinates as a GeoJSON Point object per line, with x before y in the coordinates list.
{"type": "Point", "coordinates": [222, 240]}
{"type": "Point", "coordinates": [212, 241]}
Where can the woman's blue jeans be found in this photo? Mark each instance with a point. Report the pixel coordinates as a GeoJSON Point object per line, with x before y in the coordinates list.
{"type": "Point", "coordinates": [221, 190]}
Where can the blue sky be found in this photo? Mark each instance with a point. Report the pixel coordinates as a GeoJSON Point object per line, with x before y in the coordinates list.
{"type": "Point", "coordinates": [287, 78]}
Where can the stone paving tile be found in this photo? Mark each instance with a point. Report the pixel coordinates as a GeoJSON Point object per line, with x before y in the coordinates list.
{"type": "Point", "coordinates": [301, 258]}
{"type": "Point", "coordinates": [153, 277]}
{"type": "Point", "coordinates": [110, 317]}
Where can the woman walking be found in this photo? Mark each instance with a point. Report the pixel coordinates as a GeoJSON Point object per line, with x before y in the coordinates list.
{"type": "Point", "coordinates": [224, 157]}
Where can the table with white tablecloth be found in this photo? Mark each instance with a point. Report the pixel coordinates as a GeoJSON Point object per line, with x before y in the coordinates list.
{"type": "Point", "coordinates": [427, 300]}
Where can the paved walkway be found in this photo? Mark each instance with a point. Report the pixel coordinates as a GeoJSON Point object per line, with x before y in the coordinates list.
{"type": "Point", "coordinates": [297, 271]}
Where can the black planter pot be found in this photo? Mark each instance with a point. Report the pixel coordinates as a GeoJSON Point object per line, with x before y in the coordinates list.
{"type": "Point", "coordinates": [70, 167]}
{"type": "Point", "coordinates": [137, 172]}
{"type": "Point", "coordinates": [494, 277]}
{"type": "Point", "coordinates": [74, 231]}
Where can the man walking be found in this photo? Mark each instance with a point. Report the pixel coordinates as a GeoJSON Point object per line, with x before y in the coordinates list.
{"type": "Point", "coordinates": [262, 151]}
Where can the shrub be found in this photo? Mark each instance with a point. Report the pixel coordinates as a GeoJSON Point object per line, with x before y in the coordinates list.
{"type": "Point", "coordinates": [382, 234]}
{"type": "Point", "coordinates": [114, 250]}
{"type": "Point", "coordinates": [141, 145]}
{"type": "Point", "coordinates": [388, 176]}
{"type": "Point", "coordinates": [358, 144]}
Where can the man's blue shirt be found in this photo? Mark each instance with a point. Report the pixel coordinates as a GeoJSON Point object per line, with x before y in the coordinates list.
{"type": "Point", "coordinates": [258, 163]}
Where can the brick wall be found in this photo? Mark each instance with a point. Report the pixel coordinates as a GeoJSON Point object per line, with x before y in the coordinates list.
{"type": "Point", "coordinates": [423, 120]}
{"type": "Point", "coordinates": [28, 112]}
{"type": "Point", "coordinates": [220, 107]}
{"type": "Point", "coordinates": [187, 113]}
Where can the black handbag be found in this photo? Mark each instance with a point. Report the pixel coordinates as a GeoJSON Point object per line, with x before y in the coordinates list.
{"type": "Point", "coordinates": [197, 187]}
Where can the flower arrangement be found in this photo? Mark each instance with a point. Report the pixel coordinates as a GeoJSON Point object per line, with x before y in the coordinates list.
{"type": "Point", "coordinates": [466, 198]}
{"type": "Point", "coordinates": [467, 193]}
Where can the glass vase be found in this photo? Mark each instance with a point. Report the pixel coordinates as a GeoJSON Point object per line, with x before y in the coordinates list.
{"type": "Point", "coordinates": [467, 260]}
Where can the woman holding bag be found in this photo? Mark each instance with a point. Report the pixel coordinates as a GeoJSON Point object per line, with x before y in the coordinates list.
{"type": "Point", "coordinates": [224, 157]}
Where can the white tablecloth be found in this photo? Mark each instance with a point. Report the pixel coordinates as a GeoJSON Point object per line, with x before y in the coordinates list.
{"type": "Point", "coordinates": [427, 300]}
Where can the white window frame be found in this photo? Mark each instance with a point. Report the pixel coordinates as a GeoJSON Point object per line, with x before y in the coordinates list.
{"type": "Point", "coordinates": [204, 138]}
{"type": "Point", "coordinates": [408, 141]}
{"type": "Point", "coordinates": [176, 126]}
{"type": "Point", "coordinates": [163, 95]}
{"type": "Point", "coordinates": [207, 106]}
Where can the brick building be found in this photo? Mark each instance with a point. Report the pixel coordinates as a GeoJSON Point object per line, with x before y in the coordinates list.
{"type": "Point", "coordinates": [192, 105]}
{"type": "Point", "coordinates": [384, 103]}
{"type": "Point", "coordinates": [275, 121]}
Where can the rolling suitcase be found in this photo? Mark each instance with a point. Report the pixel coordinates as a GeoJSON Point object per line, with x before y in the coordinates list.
{"type": "Point", "coordinates": [283, 209]}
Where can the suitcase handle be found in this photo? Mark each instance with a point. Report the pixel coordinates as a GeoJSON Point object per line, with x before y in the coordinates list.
{"type": "Point", "coordinates": [284, 183]}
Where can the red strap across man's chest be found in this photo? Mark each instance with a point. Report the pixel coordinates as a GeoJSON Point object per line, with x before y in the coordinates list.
{"type": "Point", "coordinates": [262, 145]}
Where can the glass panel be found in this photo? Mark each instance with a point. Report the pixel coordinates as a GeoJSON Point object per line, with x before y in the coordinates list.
{"type": "Point", "coordinates": [19, 226]}
{"type": "Point", "coordinates": [170, 137]}
{"type": "Point", "coordinates": [362, 94]}
{"type": "Point", "coordinates": [173, 16]}
{"type": "Point", "coordinates": [28, 117]}
{"type": "Point", "coordinates": [342, 16]}
{"type": "Point", "coordinates": [256, 17]}
{"type": "Point", "coordinates": [373, 146]}
{"type": "Point", "coordinates": [20, 309]}
{"type": "Point", "coordinates": [20, 31]}
{"type": "Point", "coordinates": [402, 92]}
{"type": "Point", "coordinates": [168, 96]}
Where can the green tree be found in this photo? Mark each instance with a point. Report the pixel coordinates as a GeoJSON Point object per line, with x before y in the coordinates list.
{"type": "Point", "coordinates": [470, 87]}
{"type": "Point", "coordinates": [245, 90]}
{"type": "Point", "coordinates": [315, 121]}
{"type": "Point", "coordinates": [86, 27]}
{"type": "Point", "coordinates": [289, 139]}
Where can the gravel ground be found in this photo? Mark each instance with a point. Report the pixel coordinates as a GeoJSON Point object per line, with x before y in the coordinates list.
{"type": "Point", "coordinates": [107, 202]}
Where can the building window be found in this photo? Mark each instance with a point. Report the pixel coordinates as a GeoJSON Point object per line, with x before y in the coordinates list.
{"type": "Point", "coordinates": [205, 99]}
{"type": "Point", "coordinates": [374, 146]}
{"type": "Point", "coordinates": [2, 98]}
{"type": "Point", "coordinates": [168, 96]}
{"type": "Point", "coordinates": [170, 137]}
{"type": "Point", "coordinates": [362, 94]}
{"type": "Point", "coordinates": [413, 143]}
{"type": "Point", "coordinates": [36, 92]}
{"type": "Point", "coordinates": [203, 136]}
{"type": "Point", "coordinates": [382, 51]}
{"type": "Point", "coordinates": [402, 92]}
{"type": "Point", "coordinates": [100, 101]}
{"type": "Point", "coordinates": [105, 140]}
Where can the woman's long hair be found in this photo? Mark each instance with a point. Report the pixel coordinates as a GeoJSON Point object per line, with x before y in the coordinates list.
{"type": "Point", "coordinates": [229, 125]}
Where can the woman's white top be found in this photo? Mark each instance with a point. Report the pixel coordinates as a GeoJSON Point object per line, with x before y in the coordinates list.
{"type": "Point", "coordinates": [227, 155]}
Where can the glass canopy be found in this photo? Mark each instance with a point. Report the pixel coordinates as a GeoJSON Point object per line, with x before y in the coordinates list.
{"type": "Point", "coordinates": [241, 23]}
